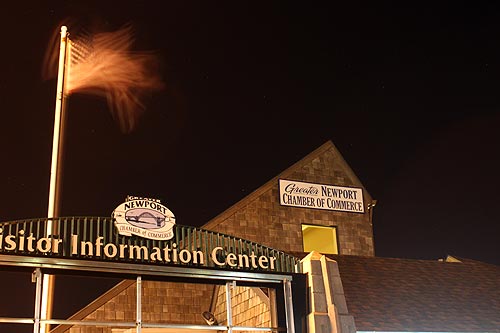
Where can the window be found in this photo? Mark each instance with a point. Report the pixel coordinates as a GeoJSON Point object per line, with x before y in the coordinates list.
{"type": "Point", "coordinates": [320, 238]}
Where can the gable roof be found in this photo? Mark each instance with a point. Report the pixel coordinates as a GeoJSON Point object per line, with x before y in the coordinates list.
{"type": "Point", "coordinates": [388, 294]}
{"type": "Point", "coordinates": [324, 148]}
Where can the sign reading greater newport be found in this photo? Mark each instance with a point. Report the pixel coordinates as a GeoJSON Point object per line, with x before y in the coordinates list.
{"type": "Point", "coordinates": [329, 197]}
{"type": "Point", "coordinates": [144, 217]}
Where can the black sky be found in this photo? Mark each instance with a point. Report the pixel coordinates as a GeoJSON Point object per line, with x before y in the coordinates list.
{"type": "Point", "coordinates": [408, 93]}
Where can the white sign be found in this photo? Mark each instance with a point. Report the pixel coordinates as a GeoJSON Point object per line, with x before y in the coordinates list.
{"type": "Point", "coordinates": [145, 218]}
{"type": "Point", "coordinates": [329, 197]}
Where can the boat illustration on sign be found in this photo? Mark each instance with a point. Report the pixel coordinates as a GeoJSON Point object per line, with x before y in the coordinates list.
{"type": "Point", "coordinates": [145, 218]}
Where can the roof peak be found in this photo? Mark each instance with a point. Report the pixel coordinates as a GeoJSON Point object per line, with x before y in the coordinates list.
{"type": "Point", "coordinates": [286, 174]}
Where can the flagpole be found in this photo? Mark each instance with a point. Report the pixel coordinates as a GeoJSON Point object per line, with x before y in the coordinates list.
{"type": "Point", "coordinates": [55, 172]}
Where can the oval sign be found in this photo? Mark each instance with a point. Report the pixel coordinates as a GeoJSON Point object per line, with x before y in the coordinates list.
{"type": "Point", "coordinates": [144, 218]}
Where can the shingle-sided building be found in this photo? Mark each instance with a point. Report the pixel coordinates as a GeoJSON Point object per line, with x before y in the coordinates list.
{"type": "Point", "coordinates": [319, 212]}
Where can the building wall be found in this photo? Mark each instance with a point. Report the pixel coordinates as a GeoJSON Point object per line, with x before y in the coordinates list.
{"type": "Point", "coordinates": [260, 218]}
{"type": "Point", "coordinates": [181, 303]}
{"type": "Point", "coordinates": [162, 302]}
{"type": "Point", "coordinates": [250, 307]}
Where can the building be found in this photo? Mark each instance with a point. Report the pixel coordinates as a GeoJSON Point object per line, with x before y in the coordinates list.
{"type": "Point", "coordinates": [297, 253]}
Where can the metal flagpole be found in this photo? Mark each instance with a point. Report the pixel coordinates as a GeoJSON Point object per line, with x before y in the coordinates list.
{"type": "Point", "coordinates": [55, 172]}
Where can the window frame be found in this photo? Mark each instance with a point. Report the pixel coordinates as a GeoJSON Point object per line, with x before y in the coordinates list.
{"type": "Point", "coordinates": [336, 233]}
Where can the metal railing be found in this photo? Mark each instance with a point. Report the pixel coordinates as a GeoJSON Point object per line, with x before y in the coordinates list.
{"type": "Point", "coordinates": [64, 324]}
{"type": "Point", "coordinates": [26, 233]}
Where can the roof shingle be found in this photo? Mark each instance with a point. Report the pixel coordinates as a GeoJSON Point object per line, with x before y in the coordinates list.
{"type": "Point", "coordinates": [408, 295]}
{"type": "Point", "coordinates": [421, 295]}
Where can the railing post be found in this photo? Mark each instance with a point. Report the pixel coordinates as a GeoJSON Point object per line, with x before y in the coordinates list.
{"type": "Point", "coordinates": [138, 322]}
{"type": "Point", "coordinates": [37, 278]}
{"type": "Point", "coordinates": [290, 325]}
{"type": "Point", "coordinates": [229, 307]}
{"type": "Point", "coordinates": [273, 307]}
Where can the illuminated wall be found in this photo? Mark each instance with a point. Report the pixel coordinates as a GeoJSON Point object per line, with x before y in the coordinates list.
{"type": "Point", "coordinates": [250, 307]}
{"type": "Point", "coordinates": [162, 302]}
{"type": "Point", "coordinates": [260, 217]}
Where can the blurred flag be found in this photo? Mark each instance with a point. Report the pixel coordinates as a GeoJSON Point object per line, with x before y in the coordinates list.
{"type": "Point", "coordinates": [104, 64]}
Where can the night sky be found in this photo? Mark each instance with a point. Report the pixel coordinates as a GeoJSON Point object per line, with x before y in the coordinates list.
{"type": "Point", "coordinates": [407, 93]}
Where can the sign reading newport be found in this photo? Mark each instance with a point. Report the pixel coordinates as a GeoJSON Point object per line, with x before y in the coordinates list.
{"type": "Point", "coordinates": [144, 217]}
{"type": "Point", "coordinates": [329, 197]}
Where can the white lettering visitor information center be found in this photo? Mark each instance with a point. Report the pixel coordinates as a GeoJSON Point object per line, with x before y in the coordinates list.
{"type": "Point", "coordinates": [97, 249]}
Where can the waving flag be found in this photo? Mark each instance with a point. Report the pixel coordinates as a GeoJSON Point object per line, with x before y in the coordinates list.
{"type": "Point", "coordinates": [104, 64]}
